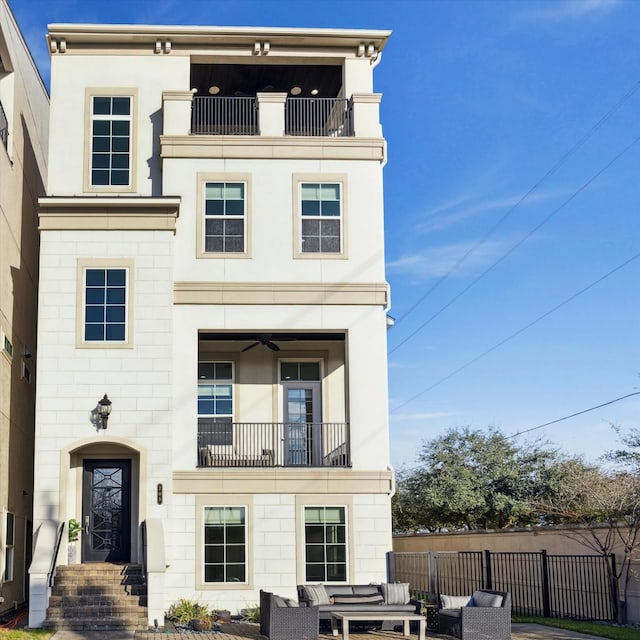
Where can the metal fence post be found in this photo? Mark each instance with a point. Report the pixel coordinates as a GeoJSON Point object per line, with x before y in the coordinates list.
{"type": "Point", "coordinates": [488, 574]}
{"type": "Point", "coordinates": [615, 601]}
{"type": "Point", "coordinates": [546, 605]}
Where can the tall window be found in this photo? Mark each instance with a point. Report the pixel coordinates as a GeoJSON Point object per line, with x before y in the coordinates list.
{"type": "Point", "coordinates": [9, 548]}
{"type": "Point", "coordinates": [105, 305]}
{"type": "Point", "coordinates": [321, 212]}
{"type": "Point", "coordinates": [111, 141]}
{"type": "Point", "coordinates": [224, 217]}
{"type": "Point", "coordinates": [225, 544]}
{"type": "Point", "coordinates": [325, 544]}
{"type": "Point", "coordinates": [215, 402]}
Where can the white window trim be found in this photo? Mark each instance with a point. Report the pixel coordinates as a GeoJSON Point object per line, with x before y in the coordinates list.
{"type": "Point", "coordinates": [328, 500]}
{"type": "Point", "coordinates": [322, 178]}
{"type": "Point", "coordinates": [106, 263]}
{"type": "Point", "coordinates": [116, 92]}
{"type": "Point", "coordinates": [203, 501]}
{"type": "Point", "coordinates": [202, 179]}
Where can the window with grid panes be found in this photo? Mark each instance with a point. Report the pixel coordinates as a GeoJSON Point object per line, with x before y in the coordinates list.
{"type": "Point", "coordinates": [321, 218]}
{"type": "Point", "coordinates": [225, 544]}
{"type": "Point", "coordinates": [215, 403]}
{"type": "Point", "coordinates": [325, 544]}
{"type": "Point", "coordinates": [224, 217]}
{"type": "Point", "coordinates": [105, 305]}
{"type": "Point", "coordinates": [111, 141]}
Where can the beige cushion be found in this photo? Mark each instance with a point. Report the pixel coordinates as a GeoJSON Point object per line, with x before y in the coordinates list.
{"type": "Point", "coordinates": [483, 599]}
{"type": "Point", "coordinates": [316, 594]}
{"type": "Point", "coordinates": [455, 602]}
{"type": "Point", "coordinates": [395, 593]}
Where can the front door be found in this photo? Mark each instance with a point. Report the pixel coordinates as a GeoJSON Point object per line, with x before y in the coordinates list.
{"type": "Point", "coordinates": [106, 511]}
{"type": "Point", "coordinates": [302, 418]}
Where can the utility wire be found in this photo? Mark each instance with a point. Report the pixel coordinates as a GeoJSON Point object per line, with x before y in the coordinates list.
{"type": "Point", "coordinates": [548, 174]}
{"type": "Point", "coordinates": [519, 331]}
{"type": "Point", "coordinates": [505, 255]}
{"type": "Point", "coordinates": [573, 415]}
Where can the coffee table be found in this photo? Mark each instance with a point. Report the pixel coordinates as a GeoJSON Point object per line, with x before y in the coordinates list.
{"type": "Point", "coordinates": [372, 616]}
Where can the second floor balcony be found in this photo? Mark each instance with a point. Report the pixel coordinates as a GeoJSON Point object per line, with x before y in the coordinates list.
{"type": "Point", "coordinates": [273, 444]}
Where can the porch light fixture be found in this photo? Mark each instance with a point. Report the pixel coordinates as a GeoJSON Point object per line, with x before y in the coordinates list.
{"type": "Point", "coordinates": [104, 409]}
{"type": "Point", "coordinates": [296, 91]}
{"type": "Point", "coordinates": [314, 92]}
{"type": "Point", "coordinates": [214, 90]}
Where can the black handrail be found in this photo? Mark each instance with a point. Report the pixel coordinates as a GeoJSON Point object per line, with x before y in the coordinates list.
{"type": "Point", "coordinates": [56, 550]}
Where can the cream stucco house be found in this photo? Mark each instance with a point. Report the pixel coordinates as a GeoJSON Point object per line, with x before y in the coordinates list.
{"type": "Point", "coordinates": [212, 265]}
{"type": "Point", "coordinates": [24, 119]}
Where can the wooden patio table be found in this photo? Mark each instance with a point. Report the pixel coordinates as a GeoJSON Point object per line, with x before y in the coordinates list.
{"type": "Point", "coordinates": [371, 616]}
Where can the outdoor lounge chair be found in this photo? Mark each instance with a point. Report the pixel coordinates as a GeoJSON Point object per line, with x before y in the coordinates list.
{"type": "Point", "coordinates": [281, 619]}
{"type": "Point", "coordinates": [485, 616]}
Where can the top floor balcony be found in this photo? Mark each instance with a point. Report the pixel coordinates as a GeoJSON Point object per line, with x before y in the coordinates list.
{"type": "Point", "coordinates": [4, 126]}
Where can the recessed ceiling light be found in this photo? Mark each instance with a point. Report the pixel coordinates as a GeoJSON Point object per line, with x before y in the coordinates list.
{"type": "Point", "coordinates": [213, 90]}
{"type": "Point", "coordinates": [314, 92]}
{"type": "Point", "coordinates": [296, 91]}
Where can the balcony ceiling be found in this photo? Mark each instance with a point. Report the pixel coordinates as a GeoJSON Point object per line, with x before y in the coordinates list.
{"type": "Point", "coordinates": [242, 80]}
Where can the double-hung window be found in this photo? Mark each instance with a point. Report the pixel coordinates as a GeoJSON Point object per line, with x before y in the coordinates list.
{"type": "Point", "coordinates": [224, 217]}
{"type": "Point", "coordinates": [225, 544]}
{"type": "Point", "coordinates": [110, 153]}
{"type": "Point", "coordinates": [321, 224]}
{"type": "Point", "coordinates": [105, 305]}
{"type": "Point", "coordinates": [325, 544]}
{"type": "Point", "coordinates": [9, 552]}
{"type": "Point", "coordinates": [215, 403]}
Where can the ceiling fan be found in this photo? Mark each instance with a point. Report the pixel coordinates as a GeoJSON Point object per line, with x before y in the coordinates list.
{"type": "Point", "coordinates": [264, 339]}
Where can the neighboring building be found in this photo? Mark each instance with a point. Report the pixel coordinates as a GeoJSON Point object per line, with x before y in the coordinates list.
{"type": "Point", "coordinates": [24, 122]}
{"type": "Point", "coordinates": [212, 260]}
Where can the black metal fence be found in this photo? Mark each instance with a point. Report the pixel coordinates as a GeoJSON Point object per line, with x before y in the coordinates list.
{"type": "Point", "coordinates": [563, 586]}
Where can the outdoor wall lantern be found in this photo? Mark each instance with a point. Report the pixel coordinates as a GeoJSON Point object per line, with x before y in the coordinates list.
{"type": "Point", "coordinates": [104, 409]}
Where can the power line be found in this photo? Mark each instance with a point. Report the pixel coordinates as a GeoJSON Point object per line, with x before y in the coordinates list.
{"type": "Point", "coordinates": [548, 174]}
{"type": "Point", "coordinates": [573, 415]}
{"type": "Point", "coordinates": [519, 331]}
{"type": "Point", "coordinates": [505, 255]}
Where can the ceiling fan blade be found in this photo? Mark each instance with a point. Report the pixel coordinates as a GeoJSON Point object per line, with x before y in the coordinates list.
{"type": "Point", "coordinates": [255, 344]}
{"type": "Point", "coordinates": [272, 345]}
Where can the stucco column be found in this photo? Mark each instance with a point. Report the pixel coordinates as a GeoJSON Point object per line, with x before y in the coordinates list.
{"type": "Point", "coordinates": [366, 115]}
{"type": "Point", "coordinates": [176, 112]}
{"type": "Point", "coordinates": [271, 113]}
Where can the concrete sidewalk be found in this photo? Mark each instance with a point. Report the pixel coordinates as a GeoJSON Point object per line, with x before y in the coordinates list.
{"type": "Point", "coordinates": [251, 632]}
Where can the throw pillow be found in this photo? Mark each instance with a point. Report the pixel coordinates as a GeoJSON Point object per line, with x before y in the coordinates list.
{"type": "Point", "coordinates": [455, 602]}
{"type": "Point", "coordinates": [279, 602]}
{"type": "Point", "coordinates": [395, 593]}
{"type": "Point", "coordinates": [290, 602]}
{"type": "Point", "coordinates": [356, 598]}
{"type": "Point", "coordinates": [484, 599]}
{"type": "Point", "coordinates": [316, 594]}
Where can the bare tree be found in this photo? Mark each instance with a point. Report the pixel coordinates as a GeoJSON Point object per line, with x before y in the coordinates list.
{"type": "Point", "coordinates": [605, 507]}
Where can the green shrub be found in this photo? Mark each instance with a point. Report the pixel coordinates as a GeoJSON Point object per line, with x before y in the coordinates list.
{"type": "Point", "coordinates": [251, 614]}
{"type": "Point", "coordinates": [74, 530]}
{"type": "Point", "coordinates": [186, 610]}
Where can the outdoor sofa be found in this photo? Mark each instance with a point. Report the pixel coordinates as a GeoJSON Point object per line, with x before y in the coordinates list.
{"type": "Point", "coordinates": [486, 615]}
{"type": "Point", "coordinates": [345, 598]}
{"type": "Point", "coordinates": [283, 619]}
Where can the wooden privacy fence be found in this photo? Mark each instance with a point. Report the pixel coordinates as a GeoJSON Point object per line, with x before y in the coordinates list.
{"type": "Point", "coordinates": [564, 586]}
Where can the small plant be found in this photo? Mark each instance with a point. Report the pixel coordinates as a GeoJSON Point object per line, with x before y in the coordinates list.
{"type": "Point", "coordinates": [74, 530]}
{"type": "Point", "coordinates": [184, 611]}
{"type": "Point", "coordinates": [251, 614]}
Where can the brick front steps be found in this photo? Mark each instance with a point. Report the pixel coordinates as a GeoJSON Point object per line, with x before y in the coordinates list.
{"type": "Point", "coordinates": [98, 597]}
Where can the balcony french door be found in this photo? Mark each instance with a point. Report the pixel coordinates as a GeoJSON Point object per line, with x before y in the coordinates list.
{"type": "Point", "coordinates": [302, 409]}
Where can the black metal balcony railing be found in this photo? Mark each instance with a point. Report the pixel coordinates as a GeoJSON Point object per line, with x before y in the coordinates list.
{"type": "Point", "coordinates": [211, 115]}
{"type": "Point", "coordinates": [273, 444]}
{"type": "Point", "coordinates": [4, 126]}
{"type": "Point", "coordinates": [318, 117]}
{"type": "Point", "coordinates": [224, 116]}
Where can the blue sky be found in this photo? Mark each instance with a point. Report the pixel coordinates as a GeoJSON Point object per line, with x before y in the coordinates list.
{"type": "Point", "coordinates": [512, 130]}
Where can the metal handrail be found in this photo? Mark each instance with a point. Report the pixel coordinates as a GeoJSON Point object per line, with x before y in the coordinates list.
{"type": "Point", "coordinates": [272, 444]}
{"type": "Point", "coordinates": [211, 115]}
{"type": "Point", "coordinates": [330, 117]}
{"type": "Point", "coordinates": [54, 558]}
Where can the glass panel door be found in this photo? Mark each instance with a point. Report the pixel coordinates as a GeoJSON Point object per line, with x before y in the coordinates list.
{"type": "Point", "coordinates": [302, 417]}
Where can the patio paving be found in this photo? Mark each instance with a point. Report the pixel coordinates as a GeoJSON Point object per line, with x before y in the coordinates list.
{"type": "Point", "coordinates": [252, 632]}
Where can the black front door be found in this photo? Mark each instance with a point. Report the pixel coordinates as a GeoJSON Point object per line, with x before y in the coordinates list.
{"type": "Point", "coordinates": [106, 511]}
